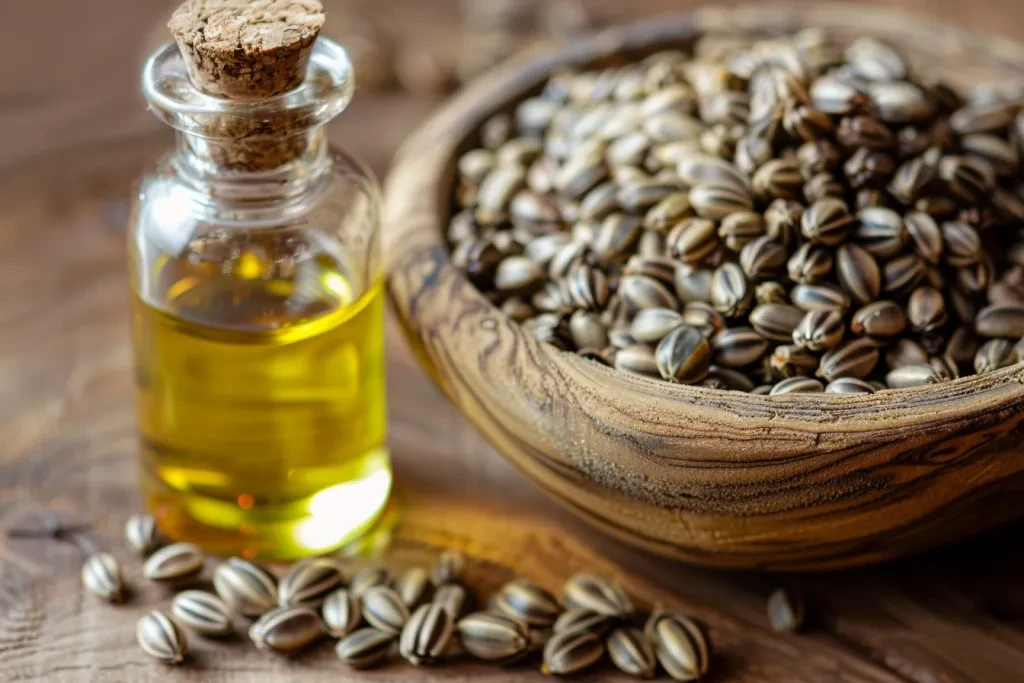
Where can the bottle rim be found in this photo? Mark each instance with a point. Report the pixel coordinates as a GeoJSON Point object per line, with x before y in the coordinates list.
{"type": "Point", "coordinates": [324, 93]}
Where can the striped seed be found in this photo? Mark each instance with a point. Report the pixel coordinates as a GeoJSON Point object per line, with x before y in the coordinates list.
{"type": "Point", "coordinates": [790, 360]}
{"type": "Point", "coordinates": [586, 591]}
{"type": "Point", "coordinates": [858, 273]}
{"type": "Point", "coordinates": [856, 358]}
{"type": "Point", "coordinates": [453, 597]}
{"type": "Point", "coordinates": [631, 653]}
{"type": "Point", "coordinates": [527, 602]}
{"type": "Point", "coordinates": [643, 195]}
{"type": "Point", "coordinates": [925, 236]}
{"type": "Point", "coordinates": [383, 609]}
{"type": "Point", "coordinates": [817, 156]}
{"type": "Point", "coordinates": [806, 123]}
{"type": "Point", "coordinates": [875, 60]}
{"type": "Point", "coordinates": [983, 118]}
{"type": "Point", "coordinates": [616, 238]}
{"type": "Point", "coordinates": [141, 533]}
{"type": "Point", "coordinates": [640, 291]}
{"type": "Point", "coordinates": [682, 356]}
{"type": "Point", "coordinates": [763, 259]}
{"type": "Point", "coordinates": [752, 152]}
{"type": "Point", "coordinates": [652, 324]}
{"type": "Point", "coordinates": [809, 264]}
{"type": "Point", "coordinates": [570, 652]}
{"type": "Point", "coordinates": [926, 309]}
{"type": "Point", "coordinates": [797, 385]}
{"type": "Point", "coordinates": [161, 638]}
{"type": "Point", "coordinates": [819, 330]}
{"type": "Point", "coordinates": [692, 240]}
{"type": "Point", "coordinates": [704, 317]}
{"type": "Point", "coordinates": [518, 274]}
{"type": "Point", "coordinates": [661, 268]}
{"type": "Point", "coordinates": [826, 221]}
{"type": "Point", "coordinates": [902, 274]}
{"type": "Point", "coordinates": [426, 634]}
{"type": "Point", "coordinates": [832, 96]}
{"type": "Point", "coordinates": [697, 169]}
{"type": "Point", "coordinates": [101, 576]}
{"type": "Point", "coordinates": [341, 613]}
{"type": "Point", "coordinates": [849, 385]}
{"type": "Point", "coordinates": [881, 231]}
{"type": "Point", "coordinates": [905, 352]}
{"type": "Point", "coordinates": [543, 248]}
{"type": "Point", "coordinates": [737, 347]}
{"type": "Point", "coordinates": [309, 582]}
{"type": "Point", "coordinates": [475, 165]}
{"type": "Point", "coordinates": [778, 179]}
{"type": "Point", "coordinates": [962, 347]}
{"type": "Point", "coordinates": [718, 201]}
{"type": "Point", "coordinates": [995, 354]}
{"type": "Point", "coordinates": [771, 292]}
{"type": "Point", "coordinates": [1001, 320]}
{"type": "Point", "coordinates": [178, 562]}
{"type": "Point", "coordinates": [583, 619]}
{"type": "Point", "coordinates": [864, 131]}
{"type": "Point", "coordinates": [534, 210]}
{"type": "Point", "coordinates": [692, 284]}
{"type": "Point", "coordinates": [588, 288]}
{"type": "Point", "coordinates": [679, 644]}
{"type": "Point", "coordinates": [549, 328]}
{"type": "Point", "coordinates": [413, 586]}
{"type": "Point", "coordinates": [493, 637]}
{"type": "Point", "coordinates": [246, 587]}
{"type": "Point", "coordinates": [944, 369]}
{"type": "Point", "coordinates": [823, 185]}
{"type": "Point", "coordinates": [962, 244]}
{"type": "Point", "coordinates": [782, 220]}
{"type": "Point", "coordinates": [776, 321]}
{"type": "Point", "coordinates": [731, 292]}
{"type": "Point", "coordinates": [637, 359]}
{"type": "Point", "coordinates": [911, 180]}
{"type": "Point", "coordinates": [202, 612]}
{"type": "Point", "coordinates": [378, 576]}
{"type": "Point", "coordinates": [819, 297]}
{"type": "Point", "coordinates": [911, 376]}
{"type": "Point", "coordinates": [496, 192]}
{"type": "Point", "coordinates": [579, 174]}
{"type": "Point", "coordinates": [587, 332]}
{"type": "Point", "coordinates": [364, 648]}
{"type": "Point", "coordinates": [739, 229]}
{"type": "Point", "coordinates": [668, 211]}
{"type": "Point", "coordinates": [900, 102]}
{"type": "Point", "coordinates": [286, 629]}
{"type": "Point", "coordinates": [881, 320]}
{"type": "Point", "coordinates": [968, 179]}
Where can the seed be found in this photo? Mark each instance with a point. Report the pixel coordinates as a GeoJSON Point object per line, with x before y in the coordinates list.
{"type": "Point", "coordinates": [668, 211]}
{"type": "Point", "coordinates": [413, 585]}
{"type": "Point", "coordinates": [776, 321]}
{"type": "Point", "coordinates": [1001, 320]}
{"type": "Point", "coordinates": [651, 245]}
{"type": "Point", "coordinates": [286, 629]}
{"type": "Point", "coordinates": [364, 648]}
{"type": "Point", "coordinates": [704, 169]}
{"type": "Point", "coordinates": [752, 151]}
{"type": "Point", "coordinates": [1004, 292]}
{"type": "Point", "coordinates": [584, 619]}
{"type": "Point", "coordinates": [962, 347]}
{"type": "Point", "coordinates": [309, 582]}
{"type": "Point", "coordinates": [453, 597]}
{"type": "Point", "coordinates": [858, 273]}
{"type": "Point", "coordinates": [864, 131]}
{"type": "Point", "coordinates": [826, 221]}
{"type": "Point", "coordinates": [876, 61]}
{"type": "Point", "coordinates": [905, 352]}
{"type": "Point", "coordinates": [975, 118]}
{"type": "Point", "coordinates": [778, 179]}
{"type": "Point", "coordinates": [683, 356]}
{"type": "Point", "coordinates": [880, 320]}
{"type": "Point", "coordinates": [670, 126]}
{"type": "Point", "coordinates": [141, 533]}
{"type": "Point", "coordinates": [925, 236]}
{"type": "Point", "coordinates": [866, 168]}
{"type": "Point", "coordinates": [809, 264]}
{"type": "Point", "coordinates": [552, 298]}
{"type": "Point", "coordinates": [944, 369]}
{"type": "Point", "coordinates": [900, 102]}
{"type": "Point", "coordinates": [731, 293]}
{"type": "Point", "coordinates": [737, 347]}
{"type": "Point", "coordinates": [496, 192]}
{"type": "Point", "coordinates": [993, 355]}
{"type": "Point", "coordinates": [973, 280]}
{"type": "Point", "coordinates": [586, 591]}
{"type": "Point", "coordinates": [962, 242]}
{"type": "Point", "coordinates": [770, 293]}
{"type": "Point", "coordinates": [566, 258]}
{"type": "Point", "coordinates": [782, 220]}
{"type": "Point", "coordinates": [178, 562]}
{"type": "Point", "coordinates": [475, 165]}
{"type": "Point", "coordinates": [819, 297]}
{"type": "Point", "coordinates": [580, 174]}
{"type": "Point", "coordinates": [161, 638]}
{"type": "Point", "coordinates": [995, 151]}
{"type": "Point", "coordinates": [660, 268]}
{"type": "Point", "coordinates": [570, 652]}
{"type": "Point", "coordinates": [967, 178]}
{"type": "Point", "coordinates": [902, 274]}
{"type": "Point", "coordinates": [543, 248]}
{"type": "Point", "coordinates": [426, 635]}
{"type": "Point", "coordinates": [911, 179]}
{"type": "Point", "coordinates": [692, 240]}
{"type": "Point", "coordinates": [631, 653]}
{"type": "Point", "coordinates": [101, 576]}
{"type": "Point", "coordinates": [642, 195]}
{"type": "Point", "coordinates": [637, 359]}
{"type": "Point", "coordinates": [517, 274]}
{"type": "Point", "coordinates": [926, 309]}
{"type": "Point", "coordinates": [493, 637]}
{"type": "Point", "coordinates": [856, 358]}
{"type": "Point", "coordinates": [790, 360]}
{"type": "Point", "coordinates": [823, 186]}
{"type": "Point", "coordinates": [246, 587]}
{"type": "Point", "coordinates": [383, 609]}
{"type": "Point", "coordinates": [819, 330]}
{"type": "Point", "coordinates": [763, 259]}
{"type": "Point", "coordinates": [628, 150]}
{"type": "Point", "coordinates": [740, 228]}
{"type": "Point", "coordinates": [797, 385]}
{"type": "Point", "coordinates": [587, 332]}
{"type": "Point", "coordinates": [817, 156]}
{"type": "Point", "coordinates": [588, 288]}
{"type": "Point", "coordinates": [785, 611]}
{"type": "Point", "coordinates": [911, 376]}
{"type": "Point", "coordinates": [479, 258]}
{"type": "Point", "coordinates": [639, 292]}
{"type": "Point", "coordinates": [880, 231]}
{"type": "Point", "coordinates": [849, 385]}
{"type": "Point", "coordinates": [680, 646]}
{"type": "Point", "coordinates": [806, 123]}
{"type": "Point", "coordinates": [616, 237]}
{"type": "Point", "coordinates": [202, 612]}
{"type": "Point", "coordinates": [652, 324]}
{"type": "Point", "coordinates": [341, 613]}
{"type": "Point", "coordinates": [718, 201]}
{"type": "Point", "coordinates": [832, 96]}
{"type": "Point", "coordinates": [527, 602]}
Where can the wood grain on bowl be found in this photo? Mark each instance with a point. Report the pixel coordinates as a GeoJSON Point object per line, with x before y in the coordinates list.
{"type": "Point", "coordinates": [718, 478]}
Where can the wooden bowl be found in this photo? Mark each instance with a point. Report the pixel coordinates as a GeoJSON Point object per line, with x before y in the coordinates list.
{"type": "Point", "coordinates": [717, 478]}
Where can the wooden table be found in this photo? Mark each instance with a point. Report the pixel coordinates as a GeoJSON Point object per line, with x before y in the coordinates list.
{"type": "Point", "coordinates": [73, 135]}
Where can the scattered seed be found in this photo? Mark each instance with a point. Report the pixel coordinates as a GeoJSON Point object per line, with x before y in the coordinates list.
{"type": "Point", "coordinates": [161, 638]}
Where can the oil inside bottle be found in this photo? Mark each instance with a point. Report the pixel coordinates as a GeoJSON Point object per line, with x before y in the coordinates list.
{"type": "Point", "coordinates": [261, 402]}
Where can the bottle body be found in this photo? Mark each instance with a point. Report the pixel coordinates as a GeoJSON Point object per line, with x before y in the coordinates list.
{"type": "Point", "coordinates": [259, 347]}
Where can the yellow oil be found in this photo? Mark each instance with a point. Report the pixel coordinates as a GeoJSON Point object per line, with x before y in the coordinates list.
{"type": "Point", "coordinates": [261, 403]}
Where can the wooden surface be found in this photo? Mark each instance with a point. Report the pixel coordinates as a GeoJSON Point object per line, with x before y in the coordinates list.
{"type": "Point", "coordinates": [73, 134]}
{"type": "Point", "coordinates": [729, 480]}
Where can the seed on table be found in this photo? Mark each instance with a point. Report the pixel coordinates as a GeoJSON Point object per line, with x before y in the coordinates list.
{"type": "Point", "coordinates": [856, 358]}
{"type": "Point", "coordinates": [776, 321]}
{"type": "Point", "coordinates": [631, 653]}
{"type": "Point", "coordinates": [413, 585]}
{"type": "Point", "coordinates": [683, 356]}
{"type": "Point", "coordinates": [141, 533]}
{"type": "Point", "coordinates": [819, 297]}
{"type": "Point", "coordinates": [902, 274]}
{"type": "Point", "coordinates": [771, 292]}
{"type": "Point", "coordinates": [881, 231]}
{"type": "Point", "coordinates": [585, 619]}
{"type": "Point", "coordinates": [639, 292]}
{"type": "Point", "coordinates": [810, 264]}
{"type": "Point", "coordinates": [453, 597]}
{"type": "Point", "coordinates": [679, 644]}
{"type": "Point", "coordinates": [926, 309]}
{"type": "Point", "coordinates": [739, 229]}
{"type": "Point", "coordinates": [692, 284]}
{"type": "Point", "coordinates": [341, 613]}
{"type": "Point", "coordinates": [881, 320]}
{"type": "Point", "coordinates": [692, 240]}
{"type": "Point", "coordinates": [819, 330]}
{"type": "Point", "coordinates": [586, 591]}
{"type": "Point", "coordinates": [246, 587]}
{"type": "Point", "coordinates": [737, 347]}
{"type": "Point", "coordinates": [493, 637]}
{"type": "Point", "coordinates": [826, 221]}
{"type": "Point", "coordinates": [718, 201]}
{"type": "Point", "coordinates": [1001, 320]}
{"type": "Point", "coordinates": [993, 355]}
{"type": "Point", "coordinates": [763, 259]}
{"type": "Point", "coordinates": [364, 648]}
{"type": "Point", "coordinates": [731, 293]}
{"type": "Point", "coordinates": [286, 629]}
{"type": "Point", "coordinates": [383, 609]}
{"type": "Point", "coordinates": [527, 602]}
{"type": "Point", "coordinates": [101, 576]}
{"type": "Point", "coordinates": [570, 652]}
{"type": "Point", "coordinates": [426, 634]}
{"type": "Point", "coordinates": [637, 359]}
{"type": "Point", "coordinates": [178, 562]}
{"type": "Point", "coordinates": [652, 324]}
{"type": "Point", "coordinates": [161, 638]}
{"type": "Point", "coordinates": [786, 611]}
{"type": "Point", "coordinates": [797, 385]}
{"type": "Point", "coordinates": [911, 376]}
{"type": "Point", "coordinates": [858, 273]}
{"type": "Point", "coordinates": [202, 612]}
{"type": "Point", "coordinates": [849, 385]}
{"type": "Point", "coordinates": [309, 582]}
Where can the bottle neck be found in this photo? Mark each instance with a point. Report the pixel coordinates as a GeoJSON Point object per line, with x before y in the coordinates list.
{"type": "Point", "coordinates": [258, 167]}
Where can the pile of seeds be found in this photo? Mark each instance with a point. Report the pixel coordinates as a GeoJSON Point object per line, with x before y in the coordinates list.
{"type": "Point", "coordinates": [772, 216]}
{"type": "Point", "coordinates": [422, 616]}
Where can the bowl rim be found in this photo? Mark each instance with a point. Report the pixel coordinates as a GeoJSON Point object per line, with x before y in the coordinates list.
{"type": "Point", "coordinates": [418, 204]}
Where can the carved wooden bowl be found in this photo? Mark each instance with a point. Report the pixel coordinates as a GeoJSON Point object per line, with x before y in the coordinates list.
{"type": "Point", "coordinates": [791, 482]}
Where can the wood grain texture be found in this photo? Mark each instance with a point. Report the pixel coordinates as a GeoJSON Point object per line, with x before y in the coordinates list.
{"type": "Point", "coordinates": [724, 479]}
{"type": "Point", "coordinates": [72, 135]}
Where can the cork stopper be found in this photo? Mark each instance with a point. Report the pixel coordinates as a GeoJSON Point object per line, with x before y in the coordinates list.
{"type": "Point", "coordinates": [247, 49]}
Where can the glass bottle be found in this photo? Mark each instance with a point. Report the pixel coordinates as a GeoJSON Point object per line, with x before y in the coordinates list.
{"type": "Point", "coordinates": [258, 318]}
